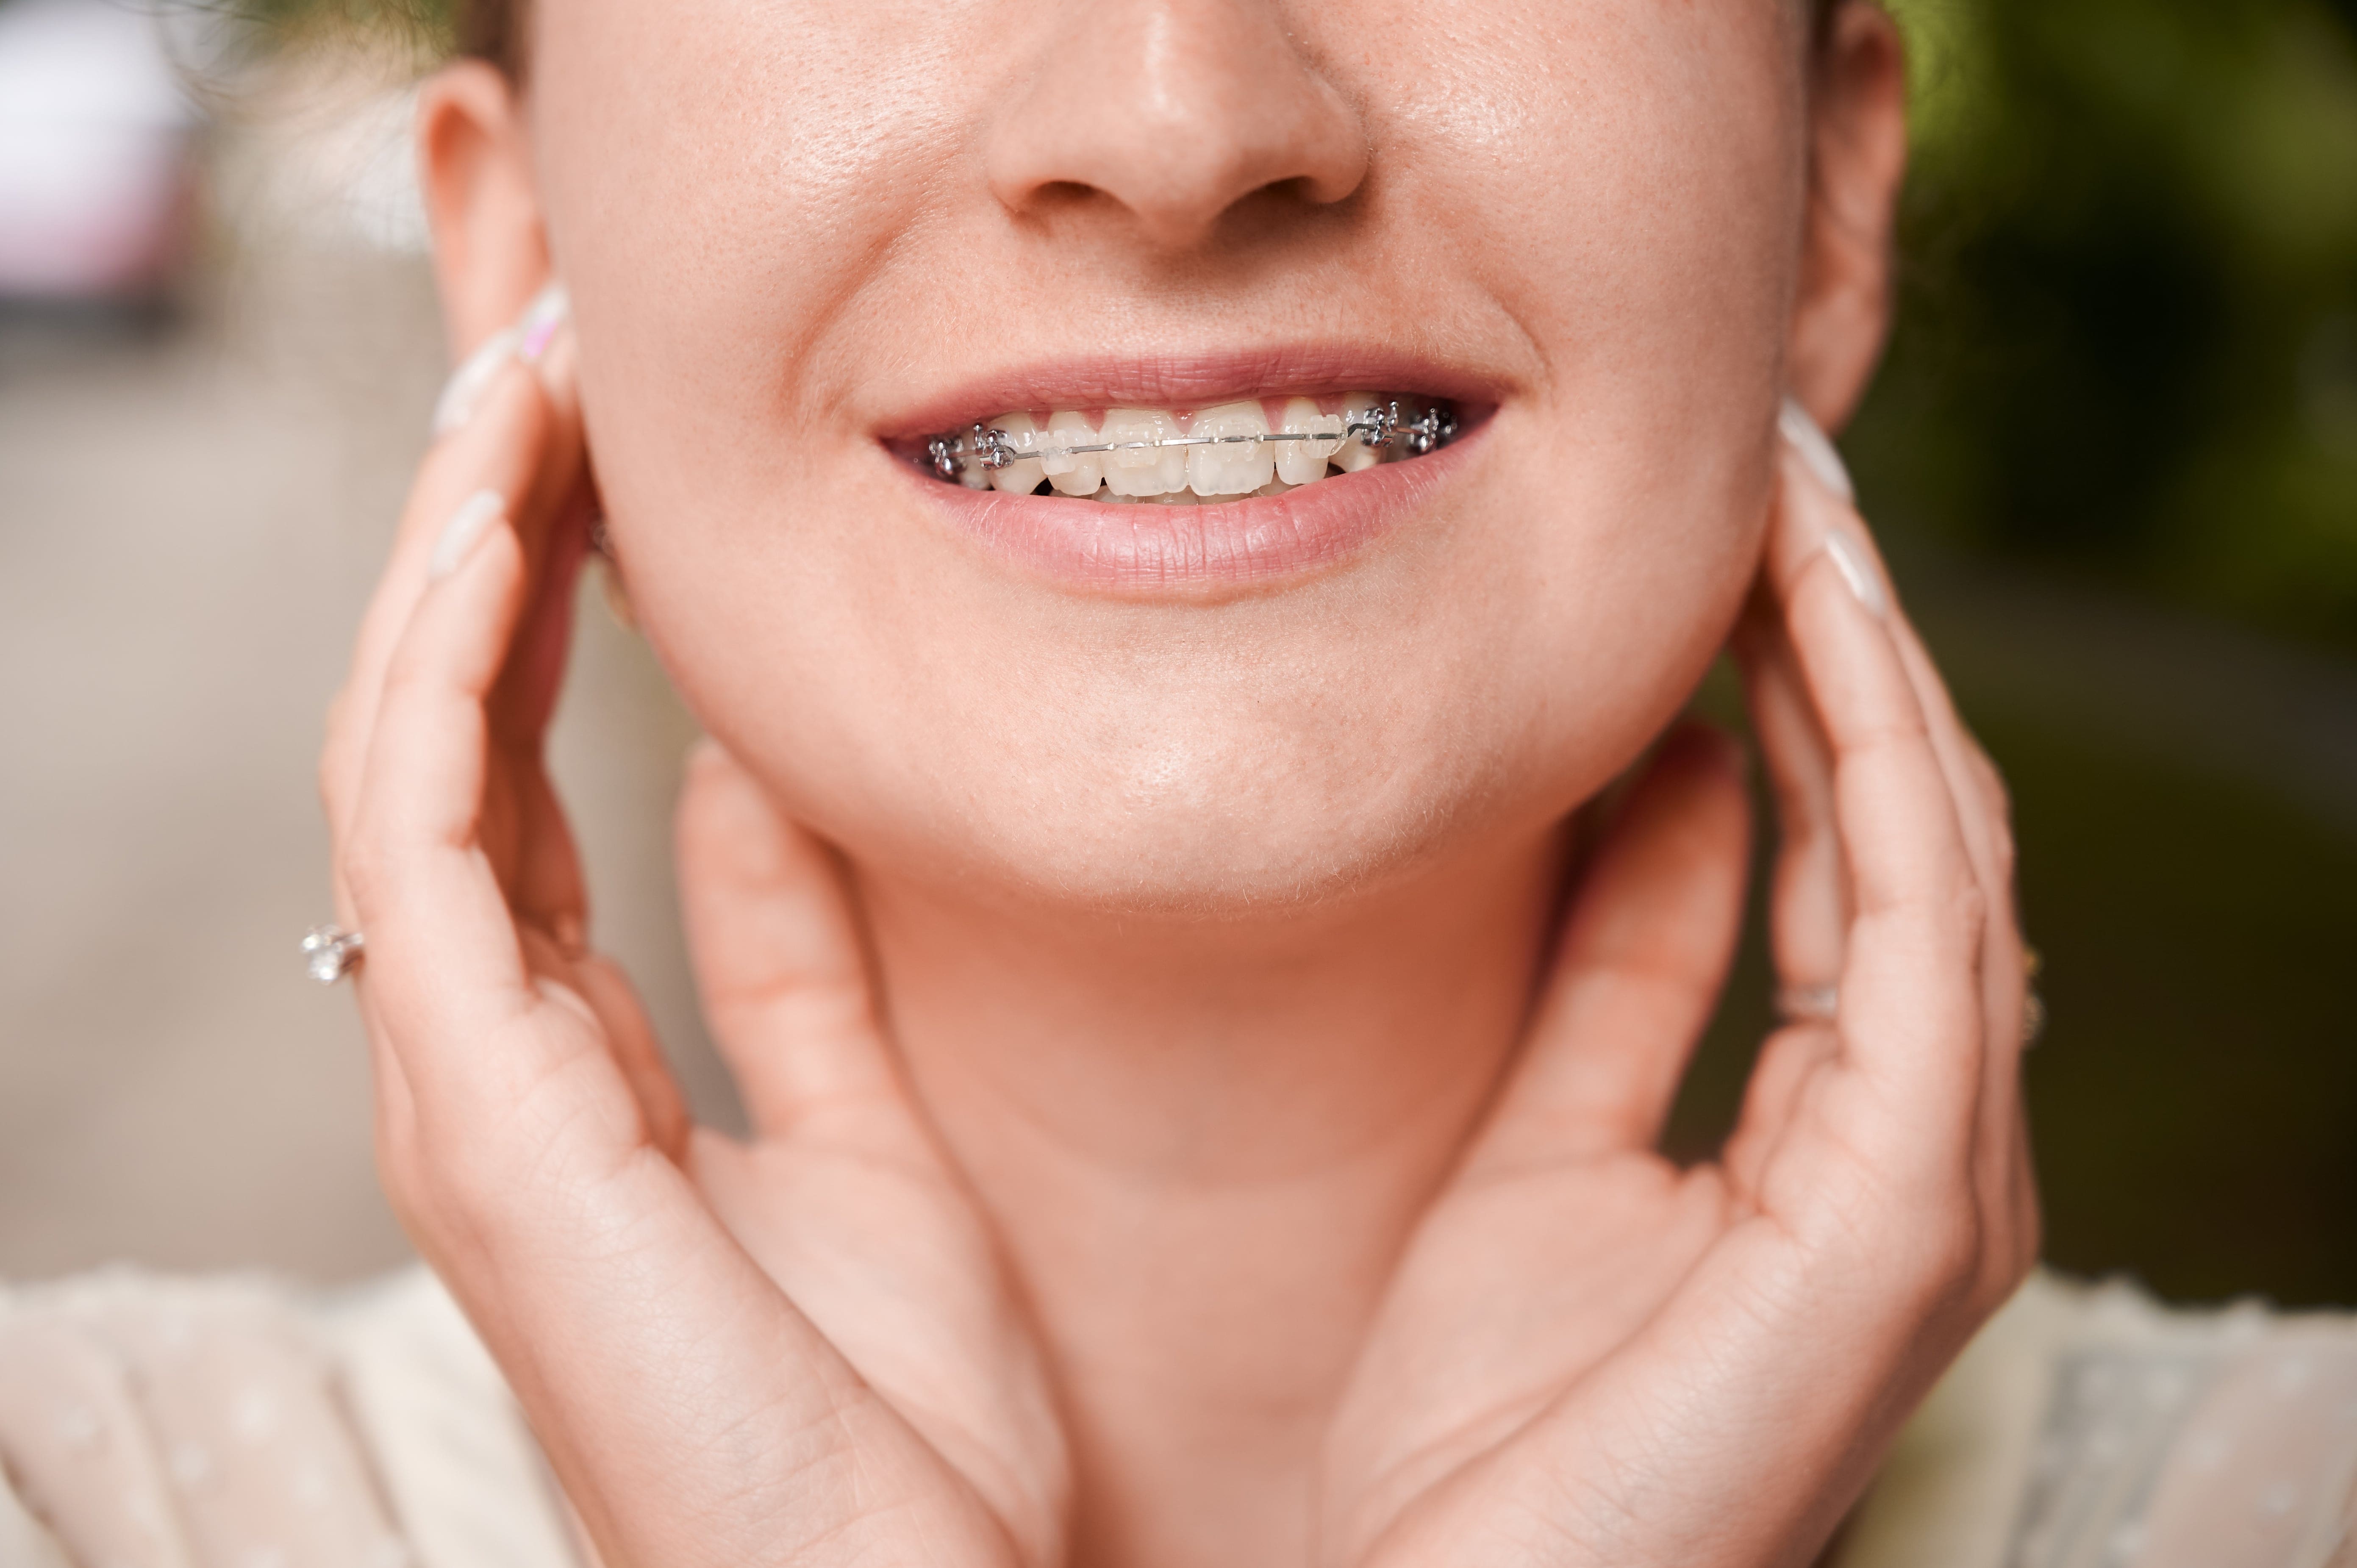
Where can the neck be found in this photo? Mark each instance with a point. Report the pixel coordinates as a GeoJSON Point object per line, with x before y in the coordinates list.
{"type": "Point", "coordinates": [1204, 1144]}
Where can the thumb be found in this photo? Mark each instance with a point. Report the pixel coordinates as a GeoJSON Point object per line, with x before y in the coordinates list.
{"type": "Point", "coordinates": [1644, 954]}
{"type": "Point", "coordinates": [777, 956]}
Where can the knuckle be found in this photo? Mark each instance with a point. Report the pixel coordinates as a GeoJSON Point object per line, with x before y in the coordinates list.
{"type": "Point", "coordinates": [2006, 851]}
{"type": "Point", "coordinates": [1993, 779]}
{"type": "Point", "coordinates": [1948, 1256]}
{"type": "Point", "coordinates": [1966, 914]}
{"type": "Point", "coordinates": [404, 677]}
{"type": "Point", "coordinates": [367, 865]}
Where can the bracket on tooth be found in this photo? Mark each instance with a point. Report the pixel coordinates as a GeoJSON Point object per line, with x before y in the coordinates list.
{"type": "Point", "coordinates": [944, 452]}
{"type": "Point", "coordinates": [1376, 428]}
{"type": "Point", "coordinates": [995, 446]}
{"type": "Point", "coordinates": [1435, 427]}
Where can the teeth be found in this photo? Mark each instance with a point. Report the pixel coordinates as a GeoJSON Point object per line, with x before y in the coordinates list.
{"type": "Point", "coordinates": [1021, 477]}
{"type": "Point", "coordinates": [1072, 474]}
{"type": "Point", "coordinates": [1304, 462]}
{"type": "Point", "coordinates": [1354, 453]}
{"type": "Point", "coordinates": [1235, 464]}
{"type": "Point", "coordinates": [1231, 450]}
{"type": "Point", "coordinates": [1132, 468]}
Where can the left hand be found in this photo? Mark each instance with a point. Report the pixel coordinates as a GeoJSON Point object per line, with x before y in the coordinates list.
{"type": "Point", "coordinates": [1589, 1355]}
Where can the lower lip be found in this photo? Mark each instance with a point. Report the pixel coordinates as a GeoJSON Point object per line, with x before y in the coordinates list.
{"type": "Point", "coordinates": [1145, 550]}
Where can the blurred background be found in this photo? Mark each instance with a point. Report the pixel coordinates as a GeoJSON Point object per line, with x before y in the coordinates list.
{"type": "Point", "coordinates": [2113, 457]}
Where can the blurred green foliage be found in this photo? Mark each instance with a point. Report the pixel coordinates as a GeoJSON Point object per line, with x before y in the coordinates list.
{"type": "Point", "coordinates": [2128, 344]}
{"type": "Point", "coordinates": [423, 26]}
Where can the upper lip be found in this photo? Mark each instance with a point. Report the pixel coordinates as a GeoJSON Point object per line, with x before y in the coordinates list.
{"type": "Point", "coordinates": [1188, 379]}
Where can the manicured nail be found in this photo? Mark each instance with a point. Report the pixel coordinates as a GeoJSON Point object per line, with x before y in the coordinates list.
{"type": "Point", "coordinates": [463, 390]}
{"type": "Point", "coordinates": [475, 514]}
{"type": "Point", "coordinates": [536, 328]}
{"type": "Point", "coordinates": [1808, 438]}
{"type": "Point", "coordinates": [1855, 570]}
{"type": "Point", "coordinates": [526, 340]}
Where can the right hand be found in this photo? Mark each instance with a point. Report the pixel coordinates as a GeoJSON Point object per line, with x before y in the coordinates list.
{"type": "Point", "coordinates": [799, 1348]}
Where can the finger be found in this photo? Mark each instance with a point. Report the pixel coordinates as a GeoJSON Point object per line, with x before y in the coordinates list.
{"type": "Point", "coordinates": [1771, 1101]}
{"type": "Point", "coordinates": [540, 868]}
{"type": "Point", "coordinates": [497, 454]}
{"type": "Point", "coordinates": [1910, 1013]}
{"type": "Point", "coordinates": [1986, 835]}
{"type": "Point", "coordinates": [630, 1036]}
{"type": "Point", "coordinates": [531, 421]}
{"type": "Point", "coordinates": [1983, 809]}
{"type": "Point", "coordinates": [779, 960]}
{"type": "Point", "coordinates": [1809, 890]}
{"type": "Point", "coordinates": [2007, 1189]}
{"type": "Point", "coordinates": [1641, 964]}
{"type": "Point", "coordinates": [503, 447]}
{"type": "Point", "coordinates": [2029, 1228]}
{"type": "Point", "coordinates": [447, 973]}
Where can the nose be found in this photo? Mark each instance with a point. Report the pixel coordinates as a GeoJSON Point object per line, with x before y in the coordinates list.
{"type": "Point", "coordinates": [1168, 114]}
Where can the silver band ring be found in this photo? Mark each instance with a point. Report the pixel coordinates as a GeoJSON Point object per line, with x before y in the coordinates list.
{"type": "Point", "coordinates": [1807, 1003]}
{"type": "Point", "coordinates": [332, 952]}
{"type": "Point", "coordinates": [1821, 1004]}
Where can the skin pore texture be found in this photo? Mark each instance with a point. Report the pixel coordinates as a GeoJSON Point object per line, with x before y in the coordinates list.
{"type": "Point", "coordinates": [1180, 1137]}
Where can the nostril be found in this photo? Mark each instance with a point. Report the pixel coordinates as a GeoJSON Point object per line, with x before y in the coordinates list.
{"type": "Point", "coordinates": [1173, 111]}
{"type": "Point", "coordinates": [1061, 196]}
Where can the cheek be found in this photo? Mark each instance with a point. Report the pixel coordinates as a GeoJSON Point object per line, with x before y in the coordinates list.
{"type": "Point", "coordinates": [1624, 179]}
{"type": "Point", "coordinates": [724, 183]}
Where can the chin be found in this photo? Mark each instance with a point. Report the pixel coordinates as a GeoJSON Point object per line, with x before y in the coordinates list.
{"type": "Point", "coordinates": [1261, 851]}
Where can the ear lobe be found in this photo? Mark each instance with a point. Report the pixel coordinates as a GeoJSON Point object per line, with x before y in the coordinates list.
{"type": "Point", "coordinates": [1857, 159]}
{"type": "Point", "coordinates": [474, 166]}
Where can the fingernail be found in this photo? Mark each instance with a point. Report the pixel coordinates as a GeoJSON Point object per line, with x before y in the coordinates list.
{"type": "Point", "coordinates": [464, 390]}
{"type": "Point", "coordinates": [1855, 570]}
{"type": "Point", "coordinates": [1808, 438]}
{"type": "Point", "coordinates": [536, 328]}
{"type": "Point", "coordinates": [476, 513]}
{"type": "Point", "coordinates": [526, 340]}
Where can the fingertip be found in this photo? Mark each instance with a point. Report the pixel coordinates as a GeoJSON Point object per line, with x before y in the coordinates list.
{"type": "Point", "coordinates": [708, 761]}
{"type": "Point", "coordinates": [712, 789]}
{"type": "Point", "coordinates": [543, 322]}
{"type": "Point", "coordinates": [729, 836]}
{"type": "Point", "coordinates": [1805, 439]}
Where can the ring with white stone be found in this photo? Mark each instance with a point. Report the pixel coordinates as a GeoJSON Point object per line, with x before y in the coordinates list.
{"type": "Point", "coordinates": [332, 952]}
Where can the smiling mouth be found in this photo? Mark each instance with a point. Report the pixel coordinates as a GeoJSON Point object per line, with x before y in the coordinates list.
{"type": "Point", "coordinates": [1262, 446]}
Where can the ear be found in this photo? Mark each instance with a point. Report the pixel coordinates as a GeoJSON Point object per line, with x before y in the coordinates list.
{"type": "Point", "coordinates": [474, 166]}
{"type": "Point", "coordinates": [1857, 158]}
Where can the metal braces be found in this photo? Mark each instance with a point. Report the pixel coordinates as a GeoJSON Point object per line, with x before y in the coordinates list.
{"type": "Point", "coordinates": [1375, 428]}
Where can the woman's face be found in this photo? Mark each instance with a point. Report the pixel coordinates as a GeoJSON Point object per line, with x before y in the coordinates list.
{"type": "Point", "coordinates": [798, 234]}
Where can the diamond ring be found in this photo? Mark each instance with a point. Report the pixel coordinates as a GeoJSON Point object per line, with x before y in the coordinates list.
{"type": "Point", "coordinates": [330, 952]}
